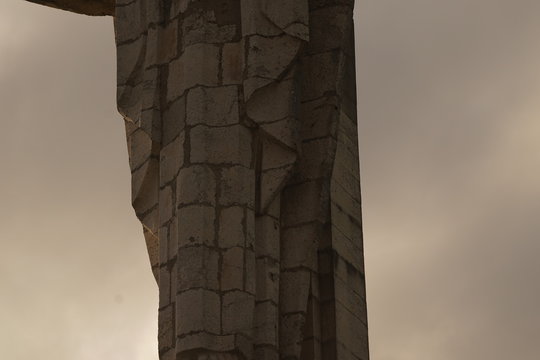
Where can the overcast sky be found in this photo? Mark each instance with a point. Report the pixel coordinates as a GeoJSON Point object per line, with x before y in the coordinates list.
{"type": "Point", "coordinates": [449, 105]}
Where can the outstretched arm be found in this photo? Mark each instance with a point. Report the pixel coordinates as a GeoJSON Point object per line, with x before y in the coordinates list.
{"type": "Point", "coordinates": [87, 7]}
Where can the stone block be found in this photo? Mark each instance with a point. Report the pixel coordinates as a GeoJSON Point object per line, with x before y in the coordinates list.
{"type": "Point", "coordinates": [351, 334]}
{"type": "Point", "coordinates": [150, 97]}
{"type": "Point", "coordinates": [128, 57]}
{"type": "Point", "coordinates": [201, 27]}
{"type": "Point", "coordinates": [204, 340]}
{"type": "Point", "coordinates": [166, 328]}
{"type": "Point", "coordinates": [321, 73]}
{"type": "Point", "coordinates": [179, 7]}
{"type": "Point", "coordinates": [266, 323]}
{"type": "Point", "coordinates": [174, 119]}
{"type": "Point", "coordinates": [301, 203]}
{"type": "Point", "coordinates": [164, 286]}
{"type": "Point", "coordinates": [328, 321]}
{"type": "Point", "coordinates": [271, 57]}
{"type": "Point", "coordinates": [139, 148]}
{"type": "Point", "coordinates": [294, 291]}
{"type": "Point", "coordinates": [232, 269]}
{"type": "Point", "coordinates": [330, 27]}
{"type": "Point", "coordinates": [267, 280]}
{"type": "Point", "coordinates": [265, 352]}
{"type": "Point", "coordinates": [130, 22]}
{"type": "Point", "coordinates": [196, 184]}
{"type": "Point", "coordinates": [300, 246]}
{"type": "Point", "coordinates": [128, 99]}
{"type": "Point", "coordinates": [319, 118]}
{"type": "Point", "coordinates": [198, 65]}
{"type": "Point", "coordinates": [347, 296]}
{"type": "Point", "coordinates": [347, 156]}
{"type": "Point", "coordinates": [168, 44]}
{"type": "Point", "coordinates": [229, 145]}
{"type": "Point", "coordinates": [152, 246]}
{"type": "Point", "coordinates": [346, 202]}
{"type": "Point", "coordinates": [254, 21]}
{"type": "Point", "coordinates": [244, 345]}
{"type": "Point", "coordinates": [348, 224]}
{"type": "Point", "coordinates": [197, 310]}
{"type": "Point", "coordinates": [317, 159]}
{"type": "Point", "coordinates": [237, 187]}
{"type": "Point", "coordinates": [232, 63]}
{"type": "Point", "coordinates": [250, 228]}
{"type": "Point", "coordinates": [285, 131]}
{"type": "Point", "coordinates": [350, 249]}
{"type": "Point", "coordinates": [237, 316]}
{"type": "Point", "coordinates": [250, 283]}
{"type": "Point", "coordinates": [150, 122]}
{"type": "Point", "coordinates": [353, 277]}
{"type": "Point", "coordinates": [196, 225]}
{"type": "Point", "coordinates": [348, 161]}
{"type": "Point", "coordinates": [197, 268]}
{"type": "Point", "coordinates": [271, 183]}
{"type": "Point", "coordinates": [267, 241]}
{"type": "Point", "coordinates": [144, 188]}
{"type": "Point", "coordinates": [231, 227]}
{"type": "Point", "coordinates": [172, 248]}
{"type": "Point", "coordinates": [171, 159]}
{"type": "Point", "coordinates": [174, 282]}
{"type": "Point", "coordinates": [164, 241]}
{"type": "Point", "coordinates": [150, 222]}
{"type": "Point", "coordinates": [168, 354]}
{"type": "Point", "coordinates": [290, 340]}
{"type": "Point", "coordinates": [260, 110]}
{"type": "Point", "coordinates": [166, 205]}
{"type": "Point", "coordinates": [290, 16]}
{"type": "Point", "coordinates": [213, 106]}
{"type": "Point", "coordinates": [276, 155]}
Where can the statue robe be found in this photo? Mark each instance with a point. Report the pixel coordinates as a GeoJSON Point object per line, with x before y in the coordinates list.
{"type": "Point", "coordinates": [235, 114]}
{"type": "Point", "coordinates": [241, 126]}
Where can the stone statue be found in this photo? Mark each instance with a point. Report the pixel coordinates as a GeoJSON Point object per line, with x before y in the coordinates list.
{"type": "Point", "coordinates": [241, 127]}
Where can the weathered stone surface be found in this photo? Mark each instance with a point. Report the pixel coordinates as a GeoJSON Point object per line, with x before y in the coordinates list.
{"type": "Point", "coordinates": [229, 145]}
{"type": "Point", "coordinates": [231, 227]}
{"type": "Point", "coordinates": [237, 310]}
{"type": "Point", "coordinates": [198, 65]}
{"type": "Point", "coordinates": [198, 267]}
{"type": "Point", "coordinates": [203, 340]}
{"type": "Point", "coordinates": [232, 63]}
{"type": "Point", "coordinates": [196, 184]}
{"type": "Point", "coordinates": [196, 225]}
{"type": "Point", "coordinates": [197, 310]}
{"type": "Point", "coordinates": [213, 106]}
{"type": "Point", "coordinates": [172, 159]}
{"type": "Point", "coordinates": [242, 137]}
{"type": "Point", "coordinates": [237, 187]}
{"type": "Point", "coordinates": [232, 269]}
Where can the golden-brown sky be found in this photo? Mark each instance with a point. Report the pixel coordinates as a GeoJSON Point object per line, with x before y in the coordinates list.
{"type": "Point", "coordinates": [449, 111]}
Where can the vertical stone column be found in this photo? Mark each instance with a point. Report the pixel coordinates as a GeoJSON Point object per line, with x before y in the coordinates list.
{"type": "Point", "coordinates": [241, 125]}
{"type": "Point", "coordinates": [213, 192]}
{"type": "Point", "coordinates": [242, 137]}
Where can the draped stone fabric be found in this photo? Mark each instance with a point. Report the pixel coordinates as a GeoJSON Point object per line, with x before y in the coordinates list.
{"type": "Point", "coordinates": [241, 129]}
